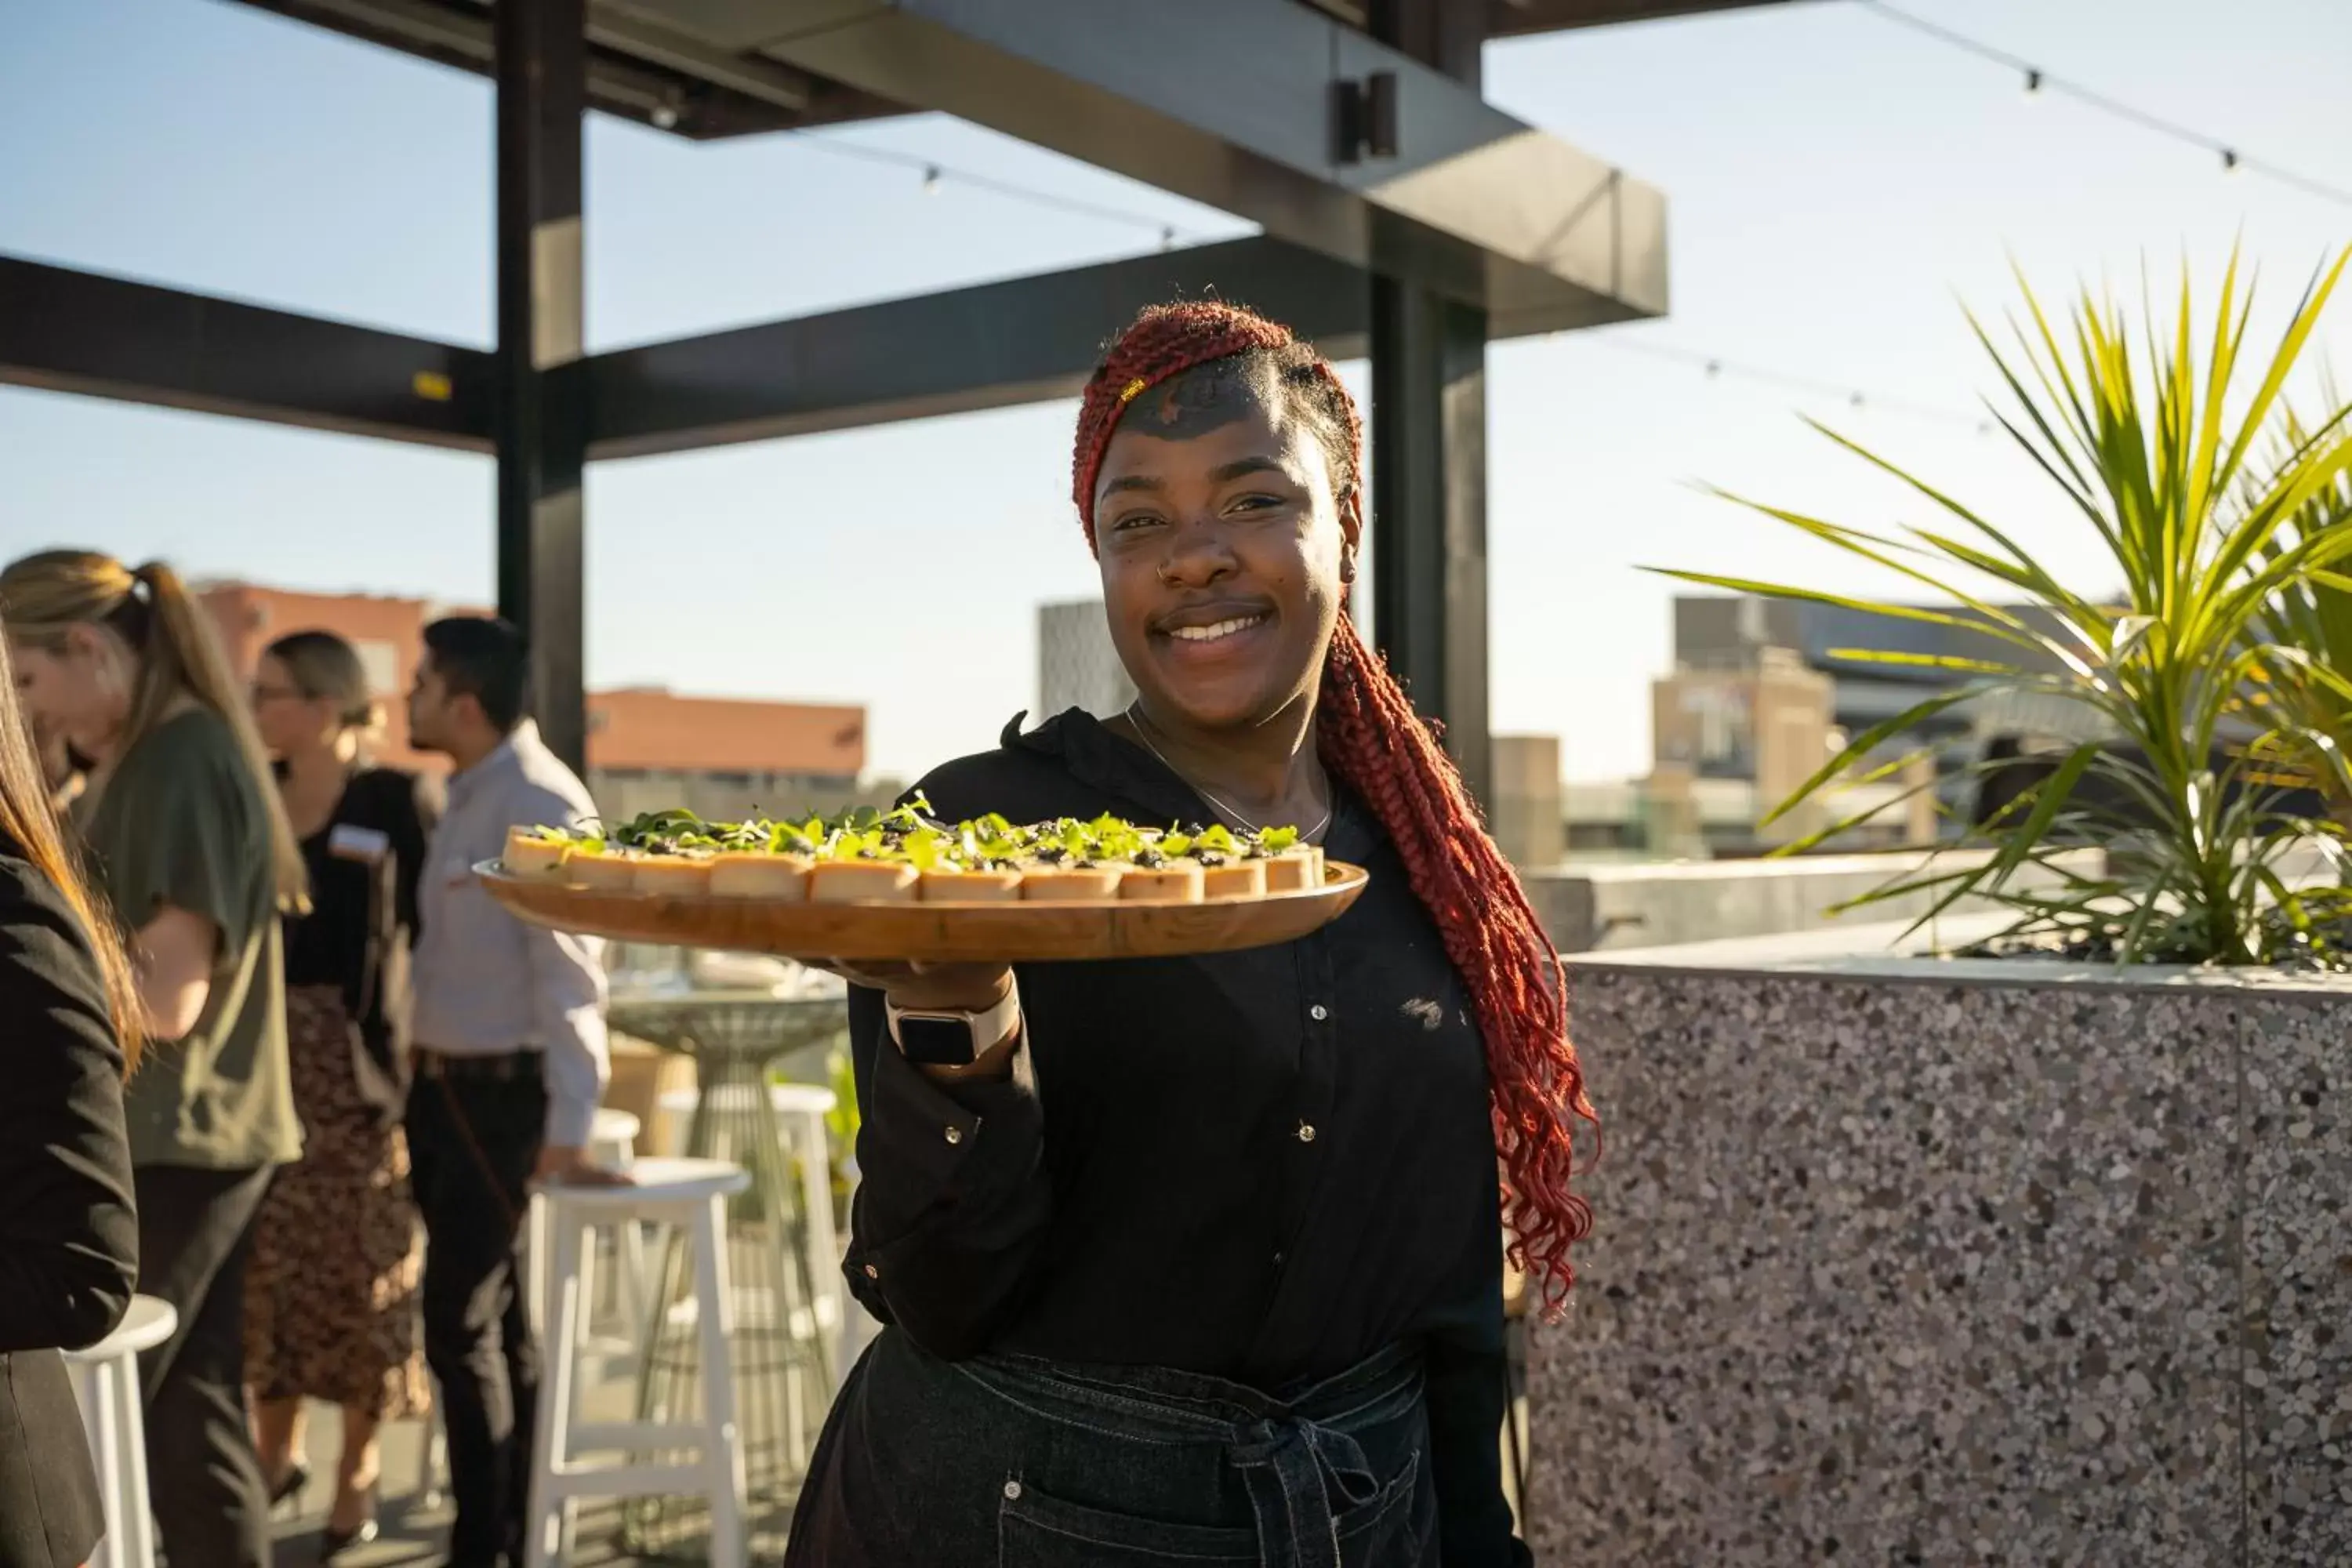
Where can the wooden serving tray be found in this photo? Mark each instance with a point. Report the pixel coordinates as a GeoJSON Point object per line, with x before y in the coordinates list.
{"type": "Point", "coordinates": [937, 933]}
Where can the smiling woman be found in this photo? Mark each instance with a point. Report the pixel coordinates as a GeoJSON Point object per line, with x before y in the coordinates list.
{"type": "Point", "coordinates": [1200, 1259]}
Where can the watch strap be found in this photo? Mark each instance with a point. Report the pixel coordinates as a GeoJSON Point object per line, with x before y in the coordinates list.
{"type": "Point", "coordinates": [947, 1038]}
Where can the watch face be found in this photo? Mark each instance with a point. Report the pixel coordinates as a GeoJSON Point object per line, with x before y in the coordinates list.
{"type": "Point", "coordinates": [936, 1042]}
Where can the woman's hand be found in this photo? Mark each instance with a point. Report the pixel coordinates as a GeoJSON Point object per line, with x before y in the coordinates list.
{"type": "Point", "coordinates": [942, 988]}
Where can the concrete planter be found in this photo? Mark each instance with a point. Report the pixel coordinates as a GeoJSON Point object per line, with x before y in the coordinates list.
{"type": "Point", "coordinates": [1902, 1260]}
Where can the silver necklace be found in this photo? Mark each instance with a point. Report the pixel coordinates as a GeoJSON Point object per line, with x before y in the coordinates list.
{"type": "Point", "coordinates": [1135, 718]}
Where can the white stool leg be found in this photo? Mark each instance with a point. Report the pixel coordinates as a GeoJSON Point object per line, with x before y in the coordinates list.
{"type": "Point", "coordinates": [137, 1521]}
{"type": "Point", "coordinates": [549, 1514]}
{"type": "Point", "coordinates": [636, 1289]}
{"type": "Point", "coordinates": [722, 1454]}
{"type": "Point", "coordinates": [93, 1384]}
{"type": "Point", "coordinates": [824, 1244]}
{"type": "Point", "coordinates": [534, 1265]}
{"type": "Point", "coordinates": [437, 1454]}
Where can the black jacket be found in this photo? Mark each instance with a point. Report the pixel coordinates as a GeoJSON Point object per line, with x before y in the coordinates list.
{"type": "Point", "coordinates": [1265, 1166]}
{"type": "Point", "coordinates": [69, 1234]}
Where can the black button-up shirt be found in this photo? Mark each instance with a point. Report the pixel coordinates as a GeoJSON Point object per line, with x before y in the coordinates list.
{"type": "Point", "coordinates": [1263, 1165]}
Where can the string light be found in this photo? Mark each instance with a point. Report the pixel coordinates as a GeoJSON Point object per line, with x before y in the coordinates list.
{"type": "Point", "coordinates": [935, 176]}
{"type": "Point", "coordinates": [2038, 83]}
{"type": "Point", "coordinates": [2036, 80]}
{"type": "Point", "coordinates": [1717, 369]}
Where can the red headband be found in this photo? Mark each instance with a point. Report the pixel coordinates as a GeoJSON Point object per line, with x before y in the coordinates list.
{"type": "Point", "coordinates": [1165, 341]}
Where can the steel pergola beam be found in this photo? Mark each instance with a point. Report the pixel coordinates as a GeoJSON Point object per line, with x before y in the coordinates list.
{"type": "Point", "coordinates": [66, 331]}
{"type": "Point", "coordinates": [1234, 104]}
{"type": "Point", "coordinates": [1429, 453]}
{"type": "Point", "coordinates": [991, 345]}
{"type": "Point", "coordinates": [987, 346]}
{"type": "Point", "coordinates": [543, 446]}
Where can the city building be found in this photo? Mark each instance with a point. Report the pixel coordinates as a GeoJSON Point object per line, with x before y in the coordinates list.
{"type": "Point", "coordinates": [1731, 741]}
{"type": "Point", "coordinates": [1525, 814]}
{"type": "Point", "coordinates": [1077, 664]}
{"type": "Point", "coordinates": [1728, 632]}
{"type": "Point", "coordinates": [648, 749]}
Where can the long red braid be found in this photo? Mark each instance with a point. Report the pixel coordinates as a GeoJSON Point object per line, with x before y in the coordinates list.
{"type": "Point", "coordinates": [1374, 742]}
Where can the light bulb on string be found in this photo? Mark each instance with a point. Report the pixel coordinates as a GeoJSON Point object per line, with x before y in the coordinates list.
{"type": "Point", "coordinates": [1167, 237]}
{"type": "Point", "coordinates": [931, 180]}
{"type": "Point", "coordinates": [2228, 160]}
{"type": "Point", "coordinates": [2032, 84]}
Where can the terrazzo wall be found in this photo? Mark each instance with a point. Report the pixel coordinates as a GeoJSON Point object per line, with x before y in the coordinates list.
{"type": "Point", "coordinates": [1916, 1263]}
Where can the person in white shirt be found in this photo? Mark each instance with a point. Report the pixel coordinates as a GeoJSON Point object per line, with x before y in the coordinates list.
{"type": "Point", "coordinates": [511, 1063]}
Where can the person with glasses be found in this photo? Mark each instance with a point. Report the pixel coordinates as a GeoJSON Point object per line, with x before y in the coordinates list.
{"type": "Point", "coordinates": [331, 1299]}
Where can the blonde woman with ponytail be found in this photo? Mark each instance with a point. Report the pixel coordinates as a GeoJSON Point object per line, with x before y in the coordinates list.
{"type": "Point", "coordinates": [192, 847]}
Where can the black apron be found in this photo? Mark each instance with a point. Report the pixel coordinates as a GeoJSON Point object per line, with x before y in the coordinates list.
{"type": "Point", "coordinates": [1006, 1461]}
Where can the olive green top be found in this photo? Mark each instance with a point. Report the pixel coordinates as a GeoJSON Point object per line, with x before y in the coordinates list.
{"type": "Point", "coordinates": [183, 822]}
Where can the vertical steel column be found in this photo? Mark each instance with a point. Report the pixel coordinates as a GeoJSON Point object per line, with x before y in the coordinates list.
{"type": "Point", "coordinates": [542, 58]}
{"type": "Point", "coordinates": [1429, 454]}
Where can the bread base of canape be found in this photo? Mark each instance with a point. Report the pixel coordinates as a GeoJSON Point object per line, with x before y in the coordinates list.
{"type": "Point", "coordinates": [1070, 884]}
{"type": "Point", "coordinates": [862, 882]}
{"type": "Point", "coordinates": [673, 876]}
{"type": "Point", "coordinates": [781, 878]}
{"type": "Point", "coordinates": [602, 873]}
{"type": "Point", "coordinates": [1294, 872]}
{"type": "Point", "coordinates": [1177, 882]}
{"type": "Point", "coordinates": [1236, 880]}
{"type": "Point", "coordinates": [971, 887]}
{"type": "Point", "coordinates": [528, 854]}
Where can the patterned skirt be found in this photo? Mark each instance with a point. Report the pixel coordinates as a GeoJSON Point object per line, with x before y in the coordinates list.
{"type": "Point", "coordinates": [331, 1292]}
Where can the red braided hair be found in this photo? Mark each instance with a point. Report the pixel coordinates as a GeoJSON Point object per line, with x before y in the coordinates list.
{"type": "Point", "coordinates": [1373, 742]}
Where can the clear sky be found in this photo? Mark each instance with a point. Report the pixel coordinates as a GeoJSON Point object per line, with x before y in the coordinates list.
{"type": "Point", "coordinates": [1838, 184]}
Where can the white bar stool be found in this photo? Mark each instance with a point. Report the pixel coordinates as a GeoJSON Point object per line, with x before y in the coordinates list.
{"type": "Point", "coordinates": [691, 1195]}
{"type": "Point", "coordinates": [612, 1143]}
{"type": "Point", "coordinates": [106, 1386]}
{"type": "Point", "coordinates": [801, 1111]}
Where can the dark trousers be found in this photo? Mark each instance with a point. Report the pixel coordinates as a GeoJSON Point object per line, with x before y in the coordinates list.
{"type": "Point", "coordinates": [472, 1143]}
{"type": "Point", "coordinates": [195, 1230]}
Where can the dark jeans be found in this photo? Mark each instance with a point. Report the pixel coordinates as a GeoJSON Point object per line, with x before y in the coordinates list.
{"type": "Point", "coordinates": [472, 1142]}
{"type": "Point", "coordinates": [1011, 1462]}
{"type": "Point", "coordinates": [196, 1230]}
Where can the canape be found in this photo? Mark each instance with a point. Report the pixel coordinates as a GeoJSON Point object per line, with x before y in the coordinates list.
{"type": "Point", "coordinates": [860, 881]}
{"type": "Point", "coordinates": [972, 884]}
{"type": "Point", "coordinates": [538, 853]}
{"type": "Point", "coordinates": [1296, 869]}
{"type": "Point", "coordinates": [673, 876]}
{"type": "Point", "coordinates": [782, 878]}
{"type": "Point", "coordinates": [602, 868]}
{"type": "Point", "coordinates": [1155, 878]}
{"type": "Point", "coordinates": [1225, 872]}
{"type": "Point", "coordinates": [1225, 879]}
{"type": "Point", "coordinates": [1069, 881]}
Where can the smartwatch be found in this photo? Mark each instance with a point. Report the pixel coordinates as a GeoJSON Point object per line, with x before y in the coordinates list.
{"type": "Point", "coordinates": [944, 1039]}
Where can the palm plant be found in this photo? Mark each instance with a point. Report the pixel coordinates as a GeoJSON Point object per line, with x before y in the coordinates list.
{"type": "Point", "coordinates": [2223, 552]}
{"type": "Point", "coordinates": [2307, 704]}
